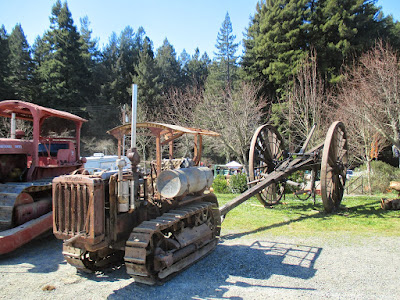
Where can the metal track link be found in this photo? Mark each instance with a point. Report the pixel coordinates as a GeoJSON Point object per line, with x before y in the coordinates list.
{"type": "Point", "coordinates": [9, 193]}
{"type": "Point", "coordinates": [140, 248]}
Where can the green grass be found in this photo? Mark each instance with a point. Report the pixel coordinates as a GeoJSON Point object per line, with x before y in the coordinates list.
{"type": "Point", "coordinates": [361, 215]}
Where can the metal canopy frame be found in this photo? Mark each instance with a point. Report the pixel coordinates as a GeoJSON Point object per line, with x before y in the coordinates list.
{"type": "Point", "coordinates": [37, 114]}
{"type": "Point", "coordinates": [165, 134]}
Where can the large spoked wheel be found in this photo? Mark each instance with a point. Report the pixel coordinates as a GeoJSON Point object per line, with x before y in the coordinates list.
{"type": "Point", "coordinates": [266, 152]}
{"type": "Point", "coordinates": [334, 167]}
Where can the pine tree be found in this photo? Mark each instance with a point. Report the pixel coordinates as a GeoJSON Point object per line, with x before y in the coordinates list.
{"type": "Point", "coordinates": [196, 70]}
{"type": "Point", "coordinates": [343, 30]}
{"type": "Point", "coordinates": [124, 69]}
{"type": "Point", "coordinates": [90, 51]}
{"type": "Point", "coordinates": [20, 65]}
{"type": "Point", "coordinates": [170, 72]}
{"type": "Point", "coordinates": [63, 74]}
{"type": "Point", "coordinates": [184, 59]}
{"type": "Point", "coordinates": [109, 59]}
{"type": "Point", "coordinates": [148, 79]}
{"type": "Point", "coordinates": [5, 89]}
{"type": "Point", "coordinates": [39, 50]}
{"type": "Point", "coordinates": [282, 32]}
{"type": "Point", "coordinates": [276, 42]}
{"type": "Point", "coordinates": [120, 58]}
{"type": "Point", "coordinates": [227, 48]}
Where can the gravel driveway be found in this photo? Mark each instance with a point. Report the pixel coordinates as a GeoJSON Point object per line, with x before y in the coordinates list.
{"type": "Point", "coordinates": [241, 267]}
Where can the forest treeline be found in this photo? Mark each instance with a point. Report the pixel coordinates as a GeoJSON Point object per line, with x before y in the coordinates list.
{"type": "Point", "coordinates": [231, 93]}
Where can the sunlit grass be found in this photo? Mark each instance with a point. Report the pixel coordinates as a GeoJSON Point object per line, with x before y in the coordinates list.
{"type": "Point", "coordinates": [361, 215]}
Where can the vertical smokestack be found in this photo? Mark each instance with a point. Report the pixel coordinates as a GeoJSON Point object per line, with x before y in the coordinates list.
{"type": "Point", "coordinates": [134, 116]}
{"type": "Point", "coordinates": [13, 126]}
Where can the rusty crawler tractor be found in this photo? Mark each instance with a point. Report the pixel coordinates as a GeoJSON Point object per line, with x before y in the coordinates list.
{"type": "Point", "coordinates": [27, 167]}
{"type": "Point", "coordinates": [162, 221]}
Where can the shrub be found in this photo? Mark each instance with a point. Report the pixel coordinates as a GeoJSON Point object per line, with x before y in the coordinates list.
{"type": "Point", "coordinates": [238, 183]}
{"type": "Point", "coordinates": [381, 175]}
{"type": "Point", "coordinates": [220, 185]}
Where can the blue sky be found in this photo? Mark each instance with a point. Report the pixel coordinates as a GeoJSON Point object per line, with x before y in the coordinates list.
{"type": "Point", "coordinates": [187, 24]}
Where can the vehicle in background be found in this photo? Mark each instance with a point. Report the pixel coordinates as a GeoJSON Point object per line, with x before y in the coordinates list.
{"type": "Point", "coordinates": [349, 174]}
{"type": "Point", "coordinates": [101, 163]}
{"type": "Point", "coordinates": [48, 146]}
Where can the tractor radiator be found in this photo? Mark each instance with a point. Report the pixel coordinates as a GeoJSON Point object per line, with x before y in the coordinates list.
{"type": "Point", "coordinates": [79, 208]}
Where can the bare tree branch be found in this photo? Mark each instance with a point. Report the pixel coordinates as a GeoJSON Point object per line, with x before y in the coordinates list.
{"type": "Point", "coordinates": [306, 104]}
{"type": "Point", "coordinates": [233, 114]}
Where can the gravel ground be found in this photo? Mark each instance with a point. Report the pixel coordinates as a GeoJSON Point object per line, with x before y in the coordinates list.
{"type": "Point", "coordinates": [241, 267]}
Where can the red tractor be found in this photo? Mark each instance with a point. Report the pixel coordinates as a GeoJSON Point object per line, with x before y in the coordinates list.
{"type": "Point", "coordinates": [29, 160]}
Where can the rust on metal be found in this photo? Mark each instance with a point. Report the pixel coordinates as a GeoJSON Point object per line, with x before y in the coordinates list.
{"type": "Point", "coordinates": [28, 166]}
{"type": "Point", "coordinates": [165, 134]}
{"type": "Point", "coordinates": [171, 220]}
{"type": "Point", "coordinates": [270, 165]}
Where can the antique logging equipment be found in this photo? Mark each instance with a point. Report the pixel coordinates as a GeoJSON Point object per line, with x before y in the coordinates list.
{"type": "Point", "coordinates": [164, 219]}
{"type": "Point", "coordinates": [270, 165]}
{"type": "Point", "coordinates": [27, 166]}
{"type": "Point", "coordinates": [159, 220]}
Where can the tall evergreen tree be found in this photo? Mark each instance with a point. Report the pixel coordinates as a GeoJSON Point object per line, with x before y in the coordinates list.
{"type": "Point", "coordinates": [276, 42]}
{"type": "Point", "coordinates": [90, 50]}
{"type": "Point", "coordinates": [184, 59]}
{"type": "Point", "coordinates": [227, 48]}
{"type": "Point", "coordinates": [393, 29]}
{"type": "Point", "coordinates": [39, 51]}
{"type": "Point", "coordinates": [148, 79]}
{"type": "Point", "coordinates": [216, 79]}
{"type": "Point", "coordinates": [170, 71]}
{"type": "Point", "coordinates": [343, 30]}
{"type": "Point", "coordinates": [283, 31]}
{"type": "Point", "coordinates": [97, 106]}
{"type": "Point", "coordinates": [109, 59]}
{"type": "Point", "coordinates": [20, 65]}
{"type": "Point", "coordinates": [124, 65]}
{"type": "Point", "coordinates": [120, 57]}
{"type": "Point", "coordinates": [195, 70]}
{"type": "Point", "coordinates": [250, 68]}
{"type": "Point", "coordinates": [5, 89]}
{"type": "Point", "coordinates": [63, 74]}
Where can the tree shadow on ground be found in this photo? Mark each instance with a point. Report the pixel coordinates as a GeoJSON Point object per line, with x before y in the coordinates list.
{"type": "Point", "coordinates": [300, 217]}
{"type": "Point", "coordinates": [239, 266]}
{"type": "Point", "coordinates": [368, 210]}
{"type": "Point", "coordinates": [305, 211]}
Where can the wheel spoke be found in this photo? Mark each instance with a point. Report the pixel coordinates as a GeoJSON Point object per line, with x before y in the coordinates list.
{"type": "Point", "coordinates": [265, 153]}
{"type": "Point", "coordinates": [334, 167]}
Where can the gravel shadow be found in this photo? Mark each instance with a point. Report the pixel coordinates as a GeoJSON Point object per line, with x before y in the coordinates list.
{"type": "Point", "coordinates": [43, 255]}
{"type": "Point", "coordinates": [232, 265]}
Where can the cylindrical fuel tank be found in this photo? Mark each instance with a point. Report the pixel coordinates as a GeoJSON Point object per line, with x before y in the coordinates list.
{"type": "Point", "coordinates": [175, 183]}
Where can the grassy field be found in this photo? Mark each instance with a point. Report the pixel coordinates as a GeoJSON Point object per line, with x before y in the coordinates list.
{"type": "Point", "coordinates": [358, 215]}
